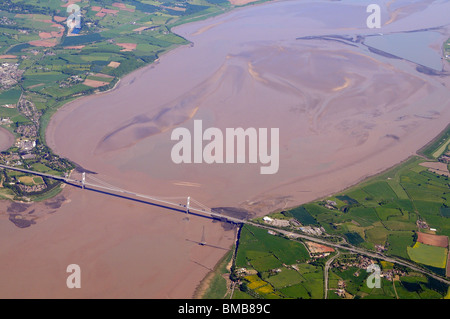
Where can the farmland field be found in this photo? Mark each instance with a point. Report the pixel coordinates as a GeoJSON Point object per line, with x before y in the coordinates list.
{"type": "Point", "coordinates": [280, 263]}
{"type": "Point", "coordinates": [438, 145]}
{"type": "Point", "coordinates": [385, 211]}
{"type": "Point", "coordinates": [303, 216]}
{"type": "Point", "coordinates": [11, 96]}
{"type": "Point", "coordinates": [428, 255]}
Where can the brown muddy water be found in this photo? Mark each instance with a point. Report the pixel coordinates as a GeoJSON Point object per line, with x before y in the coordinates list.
{"type": "Point", "coordinates": [343, 114]}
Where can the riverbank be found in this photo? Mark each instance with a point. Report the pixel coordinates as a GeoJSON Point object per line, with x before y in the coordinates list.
{"type": "Point", "coordinates": [7, 139]}
{"type": "Point", "coordinates": [240, 73]}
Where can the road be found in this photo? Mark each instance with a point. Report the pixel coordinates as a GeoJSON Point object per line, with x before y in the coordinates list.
{"type": "Point", "coordinates": [325, 272]}
{"type": "Point", "coordinates": [112, 190]}
{"type": "Point", "coordinates": [357, 250]}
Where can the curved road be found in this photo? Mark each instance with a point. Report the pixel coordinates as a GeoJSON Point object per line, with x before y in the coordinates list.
{"type": "Point", "coordinates": [325, 274]}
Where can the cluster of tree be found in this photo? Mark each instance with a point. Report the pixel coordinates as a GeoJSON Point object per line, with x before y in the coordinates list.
{"type": "Point", "coordinates": [24, 7]}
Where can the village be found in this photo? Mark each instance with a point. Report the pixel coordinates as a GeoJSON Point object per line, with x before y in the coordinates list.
{"type": "Point", "coordinates": [10, 74]}
{"type": "Point", "coordinates": [362, 263]}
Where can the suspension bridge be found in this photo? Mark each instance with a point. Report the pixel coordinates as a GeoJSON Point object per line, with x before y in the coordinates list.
{"type": "Point", "coordinates": [192, 206]}
{"type": "Point", "coordinates": [181, 203]}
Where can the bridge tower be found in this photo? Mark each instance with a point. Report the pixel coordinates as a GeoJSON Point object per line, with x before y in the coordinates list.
{"type": "Point", "coordinates": [83, 180]}
{"type": "Point", "coordinates": [203, 240]}
{"type": "Point", "coordinates": [187, 204]}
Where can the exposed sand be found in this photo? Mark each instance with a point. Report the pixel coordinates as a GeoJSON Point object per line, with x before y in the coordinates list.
{"type": "Point", "coordinates": [119, 253]}
{"type": "Point", "coordinates": [343, 114]}
{"type": "Point", "coordinates": [6, 139]}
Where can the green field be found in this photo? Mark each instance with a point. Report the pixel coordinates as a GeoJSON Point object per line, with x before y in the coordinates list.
{"type": "Point", "coordinates": [264, 251]}
{"type": "Point", "coordinates": [281, 267]}
{"type": "Point", "coordinates": [399, 243]}
{"type": "Point", "coordinates": [383, 210]}
{"type": "Point", "coordinates": [54, 75]}
{"type": "Point", "coordinates": [303, 216]}
{"type": "Point", "coordinates": [10, 96]}
{"type": "Point", "coordinates": [436, 147]}
{"type": "Point", "coordinates": [428, 255]}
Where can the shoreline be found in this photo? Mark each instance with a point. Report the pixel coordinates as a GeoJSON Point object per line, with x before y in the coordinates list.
{"type": "Point", "coordinates": [204, 285]}
{"type": "Point", "coordinates": [122, 81]}
{"type": "Point", "coordinates": [8, 137]}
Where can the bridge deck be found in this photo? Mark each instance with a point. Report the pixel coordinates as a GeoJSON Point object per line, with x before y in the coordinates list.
{"type": "Point", "coordinates": [209, 213]}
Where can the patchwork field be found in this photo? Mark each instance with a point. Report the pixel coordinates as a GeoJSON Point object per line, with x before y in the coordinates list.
{"type": "Point", "coordinates": [428, 255]}
{"type": "Point", "coordinates": [432, 240]}
{"type": "Point", "coordinates": [403, 212]}
{"type": "Point", "coordinates": [280, 264]}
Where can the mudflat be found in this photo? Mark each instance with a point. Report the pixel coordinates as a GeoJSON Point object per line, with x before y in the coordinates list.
{"type": "Point", "coordinates": [344, 113]}
{"type": "Point", "coordinates": [6, 139]}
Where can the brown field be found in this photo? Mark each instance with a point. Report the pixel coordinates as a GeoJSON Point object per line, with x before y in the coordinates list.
{"type": "Point", "coordinates": [176, 8]}
{"type": "Point", "coordinates": [45, 35]}
{"type": "Point", "coordinates": [122, 6]}
{"type": "Point", "coordinates": [44, 43]}
{"type": "Point", "coordinates": [101, 75]}
{"type": "Point", "coordinates": [7, 56]}
{"type": "Point", "coordinates": [52, 34]}
{"type": "Point", "coordinates": [59, 19]}
{"type": "Point", "coordinates": [140, 29]}
{"type": "Point", "coordinates": [35, 85]}
{"type": "Point", "coordinates": [316, 248]}
{"type": "Point", "coordinates": [101, 12]}
{"type": "Point", "coordinates": [127, 46]}
{"type": "Point", "coordinates": [109, 11]}
{"type": "Point", "coordinates": [69, 3]}
{"type": "Point", "coordinates": [94, 83]}
{"type": "Point", "coordinates": [75, 47]}
{"type": "Point", "coordinates": [437, 168]}
{"type": "Point", "coordinates": [113, 64]}
{"type": "Point", "coordinates": [433, 240]}
{"type": "Point", "coordinates": [119, 5]}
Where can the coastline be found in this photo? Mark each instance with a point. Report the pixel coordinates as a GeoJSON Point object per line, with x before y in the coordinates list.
{"type": "Point", "coordinates": [204, 285]}
{"type": "Point", "coordinates": [7, 139]}
{"type": "Point", "coordinates": [128, 77]}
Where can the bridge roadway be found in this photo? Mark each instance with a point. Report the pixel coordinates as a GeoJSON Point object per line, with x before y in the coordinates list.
{"type": "Point", "coordinates": [221, 217]}
{"type": "Point", "coordinates": [68, 180]}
